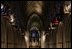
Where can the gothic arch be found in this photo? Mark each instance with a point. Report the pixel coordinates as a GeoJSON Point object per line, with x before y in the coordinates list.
{"type": "Point", "coordinates": [34, 21]}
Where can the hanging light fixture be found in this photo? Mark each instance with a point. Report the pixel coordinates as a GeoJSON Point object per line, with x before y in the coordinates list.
{"type": "Point", "coordinates": [67, 7]}
{"type": "Point", "coordinates": [2, 6]}
{"type": "Point", "coordinates": [2, 9]}
{"type": "Point", "coordinates": [11, 18]}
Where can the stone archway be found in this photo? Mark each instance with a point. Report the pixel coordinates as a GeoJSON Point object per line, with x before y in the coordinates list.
{"type": "Point", "coordinates": [34, 24]}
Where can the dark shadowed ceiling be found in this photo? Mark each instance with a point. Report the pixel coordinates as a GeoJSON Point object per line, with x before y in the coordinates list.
{"type": "Point", "coordinates": [50, 9]}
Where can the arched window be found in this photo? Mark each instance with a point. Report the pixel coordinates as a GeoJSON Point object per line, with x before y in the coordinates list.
{"type": "Point", "coordinates": [34, 34]}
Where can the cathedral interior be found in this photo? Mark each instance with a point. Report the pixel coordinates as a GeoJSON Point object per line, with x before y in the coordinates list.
{"type": "Point", "coordinates": [35, 24]}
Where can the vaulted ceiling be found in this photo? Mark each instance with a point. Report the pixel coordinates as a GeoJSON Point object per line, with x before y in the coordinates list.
{"type": "Point", "coordinates": [23, 8]}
